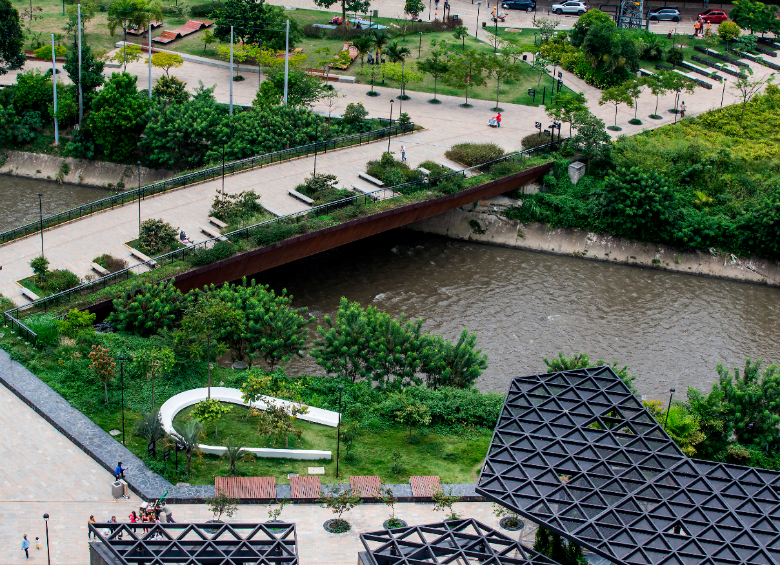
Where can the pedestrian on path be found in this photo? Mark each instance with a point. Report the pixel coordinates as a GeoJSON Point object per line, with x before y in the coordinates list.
{"type": "Point", "coordinates": [682, 110]}
{"type": "Point", "coordinates": [119, 471]}
{"type": "Point", "coordinates": [89, 531]}
{"type": "Point", "coordinates": [37, 543]}
{"type": "Point", "coordinates": [26, 546]}
{"type": "Point", "coordinates": [696, 28]}
{"type": "Point", "coordinates": [403, 153]}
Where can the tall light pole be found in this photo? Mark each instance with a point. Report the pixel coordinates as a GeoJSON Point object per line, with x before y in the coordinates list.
{"type": "Point", "coordinates": [54, 83]}
{"type": "Point", "coordinates": [391, 125]}
{"type": "Point", "coordinates": [338, 433]}
{"type": "Point", "coordinates": [419, 48]}
{"type": "Point", "coordinates": [722, 96]}
{"type": "Point", "coordinates": [122, 385]}
{"type": "Point", "coordinates": [671, 394]}
{"type": "Point", "coordinates": [138, 164]}
{"type": "Point", "coordinates": [286, 60]}
{"type": "Point", "coordinates": [40, 211]}
{"type": "Point", "coordinates": [316, 137]}
{"type": "Point", "coordinates": [48, 553]}
{"type": "Point", "coordinates": [81, 100]}
{"type": "Point", "coordinates": [149, 33]}
{"type": "Point", "coordinates": [231, 70]}
{"type": "Point", "coordinates": [476, 31]}
{"type": "Point", "coordinates": [223, 168]}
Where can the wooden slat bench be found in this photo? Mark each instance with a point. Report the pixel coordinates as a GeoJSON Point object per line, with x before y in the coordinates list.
{"type": "Point", "coordinates": [424, 487]}
{"type": "Point", "coordinates": [305, 487]}
{"type": "Point", "coordinates": [367, 486]}
{"type": "Point", "coordinates": [219, 223]}
{"type": "Point", "coordinates": [246, 487]}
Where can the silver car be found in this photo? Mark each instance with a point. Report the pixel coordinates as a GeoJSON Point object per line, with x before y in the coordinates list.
{"type": "Point", "coordinates": [578, 8]}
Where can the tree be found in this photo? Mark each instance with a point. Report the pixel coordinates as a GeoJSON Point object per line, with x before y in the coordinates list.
{"type": "Point", "coordinates": [675, 82]}
{"type": "Point", "coordinates": [221, 504]}
{"type": "Point", "coordinates": [340, 501]}
{"type": "Point", "coordinates": [466, 68]}
{"type": "Point", "coordinates": [150, 428]}
{"type": "Point", "coordinates": [147, 308]}
{"type": "Point", "coordinates": [255, 23]}
{"type": "Point", "coordinates": [91, 71]}
{"type": "Point", "coordinates": [502, 67]}
{"type": "Point", "coordinates": [455, 365]}
{"type": "Point", "coordinates": [551, 545]}
{"type": "Point", "coordinates": [403, 74]}
{"type": "Point", "coordinates": [274, 513]}
{"type": "Point", "coordinates": [582, 360]}
{"type": "Point", "coordinates": [207, 38]}
{"type": "Point", "coordinates": [414, 8]}
{"type": "Point", "coordinates": [541, 65]}
{"type": "Point", "coordinates": [436, 66]}
{"type": "Point", "coordinates": [278, 421]}
{"type": "Point", "coordinates": [681, 425]}
{"type": "Point", "coordinates": [203, 321]}
{"type": "Point", "coordinates": [443, 502]}
{"type": "Point", "coordinates": [611, 51]}
{"type": "Point", "coordinates": [103, 366]}
{"type": "Point", "coordinates": [189, 439]}
{"type": "Point", "coordinates": [154, 361]}
{"type": "Point", "coordinates": [387, 496]}
{"type": "Point", "coordinates": [12, 55]}
{"type": "Point", "coordinates": [303, 91]}
{"type": "Point", "coordinates": [461, 33]}
{"type": "Point", "coordinates": [363, 45]}
{"type": "Point", "coordinates": [40, 267]}
{"type": "Point", "coordinates": [210, 410]}
{"type": "Point", "coordinates": [167, 61]}
{"type": "Point", "coordinates": [233, 452]}
{"type": "Point", "coordinates": [379, 39]}
{"type": "Point", "coordinates": [117, 115]}
{"type": "Point", "coordinates": [755, 16]}
{"type": "Point", "coordinates": [616, 96]}
{"type": "Point", "coordinates": [639, 204]}
{"type": "Point", "coordinates": [396, 53]}
{"type": "Point", "coordinates": [346, 6]}
{"type": "Point", "coordinates": [674, 56]}
{"type": "Point", "coordinates": [749, 87]}
{"type": "Point", "coordinates": [171, 90]}
{"type": "Point", "coordinates": [566, 105]}
{"type": "Point", "coordinates": [585, 22]}
{"type": "Point", "coordinates": [591, 138]}
{"type": "Point", "coordinates": [88, 10]}
{"type": "Point", "coordinates": [413, 413]}
{"type": "Point", "coordinates": [139, 13]}
{"type": "Point", "coordinates": [129, 54]}
{"type": "Point", "coordinates": [354, 113]}
{"type": "Point", "coordinates": [546, 27]}
{"type": "Point", "coordinates": [728, 30]}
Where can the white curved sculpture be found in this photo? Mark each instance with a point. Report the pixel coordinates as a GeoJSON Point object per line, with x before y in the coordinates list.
{"type": "Point", "coordinates": [179, 402]}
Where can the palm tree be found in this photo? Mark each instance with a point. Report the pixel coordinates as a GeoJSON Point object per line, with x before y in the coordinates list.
{"type": "Point", "coordinates": [150, 429]}
{"type": "Point", "coordinates": [396, 53]}
{"type": "Point", "coordinates": [189, 439]}
{"type": "Point", "coordinates": [363, 45]}
{"type": "Point", "coordinates": [233, 453]}
{"type": "Point", "coordinates": [379, 40]}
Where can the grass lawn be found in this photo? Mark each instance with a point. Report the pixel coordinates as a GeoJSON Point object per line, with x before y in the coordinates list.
{"type": "Point", "coordinates": [455, 458]}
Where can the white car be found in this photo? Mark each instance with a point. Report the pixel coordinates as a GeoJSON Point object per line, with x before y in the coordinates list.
{"type": "Point", "coordinates": [578, 8]}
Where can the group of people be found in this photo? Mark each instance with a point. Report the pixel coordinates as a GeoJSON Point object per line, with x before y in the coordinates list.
{"type": "Point", "coordinates": [26, 545]}
{"type": "Point", "coordinates": [699, 29]}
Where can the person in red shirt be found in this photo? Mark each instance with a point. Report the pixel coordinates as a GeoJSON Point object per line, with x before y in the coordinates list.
{"type": "Point", "coordinates": [498, 119]}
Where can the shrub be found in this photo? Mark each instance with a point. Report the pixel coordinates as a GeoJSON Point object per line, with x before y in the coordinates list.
{"type": "Point", "coordinates": [312, 31]}
{"type": "Point", "coordinates": [393, 177]}
{"type": "Point", "coordinates": [472, 154]}
{"type": "Point", "coordinates": [47, 329]}
{"type": "Point", "coordinates": [317, 183]}
{"type": "Point", "coordinates": [202, 10]}
{"type": "Point", "coordinates": [148, 307]}
{"type": "Point", "coordinates": [40, 267]}
{"type": "Point", "coordinates": [227, 207]}
{"type": "Point", "coordinates": [45, 52]}
{"type": "Point", "coordinates": [355, 112]}
{"type": "Point", "coordinates": [76, 322]}
{"type": "Point", "coordinates": [674, 56]}
{"type": "Point", "coordinates": [60, 280]}
{"type": "Point", "coordinates": [728, 30]}
{"type": "Point", "coordinates": [110, 263]}
{"type": "Point", "coordinates": [535, 140]}
{"type": "Point", "coordinates": [278, 231]}
{"type": "Point", "coordinates": [157, 236]}
{"type": "Point", "coordinates": [220, 251]}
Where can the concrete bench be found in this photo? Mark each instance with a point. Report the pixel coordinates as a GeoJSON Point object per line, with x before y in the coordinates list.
{"type": "Point", "coordinates": [272, 211]}
{"type": "Point", "coordinates": [99, 270]}
{"type": "Point", "coordinates": [424, 171]}
{"type": "Point", "coordinates": [371, 179]}
{"type": "Point", "coordinates": [143, 258]}
{"type": "Point", "coordinates": [366, 191]}
{"type": "Point", "coordinates": [29, 294]}
{"type": "Point", "coordinates": [219, 223]}
{"type": "Point", "coordinates": [345, 78]}
{"type": "Point", "coordinates": [448, 166]}
{"type": "Point", "coordinates": [213, 234]}
{"type": "Point", "coordinates": [302, 197]}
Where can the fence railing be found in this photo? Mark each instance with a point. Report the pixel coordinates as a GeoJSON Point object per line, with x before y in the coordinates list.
{"type": "Point", "coordinates": [204, 175]}
{"type": "Point", "coordinates": [12, 316]}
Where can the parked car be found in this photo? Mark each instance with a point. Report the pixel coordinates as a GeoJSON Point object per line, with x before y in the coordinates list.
{"type": "Point", "coordinates": [578, 8]}
{"type": "Point", "coordinates": [664, 14]}
{"type": "Point", "coordinates": [525, 5]}
{"type": "Point", "coordinates": [713, 16]}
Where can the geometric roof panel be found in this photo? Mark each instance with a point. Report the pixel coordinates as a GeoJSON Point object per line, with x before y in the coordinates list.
{"type": "Point", "coordinates": [576, 452]}
{"type": "Point", "coordinates": [466, 541]}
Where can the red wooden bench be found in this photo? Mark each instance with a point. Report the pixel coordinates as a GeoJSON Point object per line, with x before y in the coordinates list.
{"type": "Point", "coordinates": [246, 487]}
{"type": "Point", "coordinates": [190, 27]}
{"type": "Point", "coordinates": [424, 487]}
{"type": "Point", "coordinates": [368, 487]}
{"type": "Point", "coordinates": [305, 487]}
{"type": "Point", "coordinates": [141, 30]}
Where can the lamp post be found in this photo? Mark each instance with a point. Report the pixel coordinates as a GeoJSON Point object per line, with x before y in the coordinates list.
{"type": "Point", "coordinates": [48, 553]}
{"type": "Point", "coordinates": [476, 31]}
{"type": "Point", "coordinates": [671, 394]}
{"type": "Point", "coordinates": [338, 432]}
{"type": "Point", "coordinates": [40, 212]}
{"type": "Point", "coordinates": [122, 386]}
{"type": "Point", "coordinates": [419, 49]}
{"type": "Point", "coordinates": [429, 9]}
{"type": "Point", "coordinates": [722, 96]}
{"type": "Point", "coordinates": [391, 125]}
{"type": "Point", "coordinates": [316, 137]}
{"type": "Point", "coordinates": [138, 164]}
{"type": "Point", "coordinates": [224, 140]}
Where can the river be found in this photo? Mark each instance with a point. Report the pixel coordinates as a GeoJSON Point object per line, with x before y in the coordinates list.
{"type": "Point", "coordinates": [19, 199]}
{"type": "Point", "coordinates": [671, 330]}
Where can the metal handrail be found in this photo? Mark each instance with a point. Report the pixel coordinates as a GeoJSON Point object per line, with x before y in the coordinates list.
{"type": "Point", "coordinates": [200, 176]}
{"type": "Point", "coordinates": [11, 316]}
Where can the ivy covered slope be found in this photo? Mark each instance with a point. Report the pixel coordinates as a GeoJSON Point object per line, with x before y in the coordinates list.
{"type": "Point", "coordinates": [706, 182]}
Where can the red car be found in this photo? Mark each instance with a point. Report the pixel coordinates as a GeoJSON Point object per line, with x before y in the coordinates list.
{"type": "Point", "coordinates": [713, 16]}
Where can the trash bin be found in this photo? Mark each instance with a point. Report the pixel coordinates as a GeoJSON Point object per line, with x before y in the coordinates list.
{"type": "Point", "coordinates": [117, 489]}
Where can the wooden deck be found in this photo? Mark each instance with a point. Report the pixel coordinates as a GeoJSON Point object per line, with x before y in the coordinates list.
{"type": "Point", "coordinates": [424, 487]}
{"type": "Point", "coordinates": [305, 487]}
{"type": "Point", "coordinates": [246, 487]}
{"type": "Point", "coordinates": [368, 487]}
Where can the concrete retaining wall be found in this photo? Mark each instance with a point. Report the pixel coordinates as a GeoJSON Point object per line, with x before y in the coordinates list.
{"type": "Point", "coordinates": [487, 225]}
{"type": "Point", "coordinates": [82, 171]}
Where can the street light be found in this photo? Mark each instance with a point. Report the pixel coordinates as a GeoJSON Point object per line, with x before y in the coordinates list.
{"type": "Point", "coordinates": [476, 31]}
{"type": "Point", "coordinates": [419, 49]}
{"type": "Point", "coordinates": [429, 9]}
{"type": "Point", "coordinates": [722, 96]}
{"type": "Point", "coordinates": [338, 432]}
{"type": "Point", "coordinates": [122, 385]}
{"type": "Point", "coordinates": [223, 168]}
{"type": "Point", "coordinates": [40, 211]}
{"type": "Point", "coordinates": [389, 135]}
{"type": "Point", "coordinates": [48, 553]}
{"type": "Point", "coordinates": [138, 164]}
{"type": "Point", "coordinates": [316, 137]}
{"type": "Point", "coordinates": [671, 394]}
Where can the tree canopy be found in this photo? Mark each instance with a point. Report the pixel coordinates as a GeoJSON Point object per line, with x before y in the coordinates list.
{"type": "Point", "coordinates": [11, 38]}
{"type": "Point", "coordinates": [255, 22]}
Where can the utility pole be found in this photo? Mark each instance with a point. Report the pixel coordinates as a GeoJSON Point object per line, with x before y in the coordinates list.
{"type": "Point", "coordinates": [231, 70]}
{"type": "Point", "coordinates": [149, 31]}
{"type": "Point", "coordinates": [81, 96]}
{"type": "Point", "coordinates": [286, 61]}
{"type": "Point", "coordinates": [54, 82]}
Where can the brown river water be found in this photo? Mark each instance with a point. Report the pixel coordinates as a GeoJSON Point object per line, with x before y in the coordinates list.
{"type": "Point", "coordinates": [670, 329]}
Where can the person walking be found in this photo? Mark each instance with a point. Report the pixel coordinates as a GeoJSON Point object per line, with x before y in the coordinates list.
{"type": "Point", "coordinates": [26, 546]}
{"type": "Point", "coordinates": [498, 119]}
{"type": "Point", "coordinates": [403, 153]}
{"type": "Point", "coordinates": [89, 531]}
{"type": "Point", "coordinates": [119, 471]}
{"type": "Point", "coordinates": [682, 110]}
{"type": "Point", "coordinates": [37, 543]}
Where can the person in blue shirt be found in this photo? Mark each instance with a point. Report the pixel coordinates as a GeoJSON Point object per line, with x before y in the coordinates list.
{"type": "Point", "coordinates": [26, 546]}
{"type": "Point", "coordinates": [119, 471]}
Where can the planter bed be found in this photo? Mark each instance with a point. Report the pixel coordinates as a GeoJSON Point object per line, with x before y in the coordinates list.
{"type": "Point", "coordinates": [721, 68]}
{"type": "Point", "coordinates": [720, 56]}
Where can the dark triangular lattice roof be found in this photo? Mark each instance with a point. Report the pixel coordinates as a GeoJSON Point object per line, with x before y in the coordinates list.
{"type": "Point", "coordinates": [577, 453]}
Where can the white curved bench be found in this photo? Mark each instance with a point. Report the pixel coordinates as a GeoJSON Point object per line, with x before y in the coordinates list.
{"type": "Point", "coordinates": [179, 402]}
